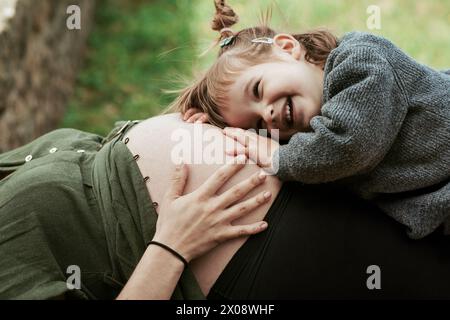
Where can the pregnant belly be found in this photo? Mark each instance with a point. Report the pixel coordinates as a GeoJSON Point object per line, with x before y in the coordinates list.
{"type": "Point", "coordinates": [151, 141]}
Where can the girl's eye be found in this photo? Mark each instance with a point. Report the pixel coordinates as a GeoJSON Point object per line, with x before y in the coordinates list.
{"type": "Point", "coordinates": [255, 89]}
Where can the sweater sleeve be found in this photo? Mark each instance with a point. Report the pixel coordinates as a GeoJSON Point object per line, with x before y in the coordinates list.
{"type": "Point", "coordinates": [358, 123]}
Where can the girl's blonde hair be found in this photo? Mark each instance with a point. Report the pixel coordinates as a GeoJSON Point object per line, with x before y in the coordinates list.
{"type": "Point", "coordinates": [209, 92]}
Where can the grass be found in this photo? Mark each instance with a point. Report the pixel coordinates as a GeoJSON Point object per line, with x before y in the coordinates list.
{"type": "Point", "coordinates": [130, 59]}
{"type": "Point", "coordinates": [138, 47]}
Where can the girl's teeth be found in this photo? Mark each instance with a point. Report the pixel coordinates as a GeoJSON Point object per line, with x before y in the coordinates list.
{"type": "Point", "coordinates": [288, 113]}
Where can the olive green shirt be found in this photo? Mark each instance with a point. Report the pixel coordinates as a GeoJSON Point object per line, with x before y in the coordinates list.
{"type": "Point", "coordinates": [75, 201]}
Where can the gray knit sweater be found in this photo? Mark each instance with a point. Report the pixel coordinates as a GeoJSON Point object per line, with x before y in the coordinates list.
{"type": "Point", "coordinates": [383, 132]}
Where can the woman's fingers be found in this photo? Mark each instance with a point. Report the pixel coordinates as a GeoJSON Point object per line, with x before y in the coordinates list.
{"type": "Point", "coordinates": [222, 175]}
{"type": "Point", "coordinates": [240, 190]}
{"type": "Point", "coordinates": [241, 208]}
{"type": "Point", "coordinates": [244, 230]}
{"type": "Point", "coordinates": [178, 182]}
{"type": "Point", "coordinates": [238, 210]}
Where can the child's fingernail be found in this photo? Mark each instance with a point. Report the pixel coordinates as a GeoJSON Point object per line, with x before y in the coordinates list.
{"type": "Point", "coordinates": [267, 195]}
{"type": "Point", "coordinates": [230, 152]}
{"type": "Point", "coordinates": [179, 166]}
{"type": "Point", "coordinates": [262, 175]}
{"type": "Point", "coordinates": [240, 158]}
{"type": "Point", "coordinates": [263, 225]}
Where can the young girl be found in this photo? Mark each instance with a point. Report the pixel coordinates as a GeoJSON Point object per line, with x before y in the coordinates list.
{"type": "Point", "coordinates": [355, 111]}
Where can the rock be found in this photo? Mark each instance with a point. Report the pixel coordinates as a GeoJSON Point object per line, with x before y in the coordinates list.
{"type": "Point", "coordinates": [39, 59]}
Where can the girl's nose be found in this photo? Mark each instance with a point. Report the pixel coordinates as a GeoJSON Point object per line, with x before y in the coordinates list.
{"type": "Point", "coordinates": [268, 114]}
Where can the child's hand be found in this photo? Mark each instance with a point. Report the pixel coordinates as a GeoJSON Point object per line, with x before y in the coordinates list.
{"type": "Point", "coordinates": [195, 115]}
{"type": "Point", "coordinates": [257, 148]}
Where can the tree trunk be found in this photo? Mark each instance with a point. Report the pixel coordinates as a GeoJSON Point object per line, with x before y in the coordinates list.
{"type": "Point", "coordinates": [39, 58]}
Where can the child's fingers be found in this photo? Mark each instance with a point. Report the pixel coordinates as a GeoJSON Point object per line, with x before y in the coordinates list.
{"type": "Point", "coordinates": [190, 112]}
{"type": "Point", "coordinates": [250, 134]}
{"type": "Point", "coordinates": [238, 135]}
{"type": "Point", "coordinates": [236, 150]}
{"type": "Point", "coordinates": [195, 117]}
{"type": "Point", "coordinates": [203, 119]}
{"type": "Point", "coordinates": [192, 118]}
{"type": "Point", "coordinates": [238, 144]}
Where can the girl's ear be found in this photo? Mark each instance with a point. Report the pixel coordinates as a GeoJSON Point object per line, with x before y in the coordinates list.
{"type": "Point", "coordinates": [288, 44]}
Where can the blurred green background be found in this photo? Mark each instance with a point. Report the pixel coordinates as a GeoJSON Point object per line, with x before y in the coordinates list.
{"type": "Point", "coordinates": [138, 48]}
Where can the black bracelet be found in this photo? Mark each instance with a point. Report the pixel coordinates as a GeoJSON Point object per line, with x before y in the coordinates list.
{"type": "Point", "coordinates": [176, 254]}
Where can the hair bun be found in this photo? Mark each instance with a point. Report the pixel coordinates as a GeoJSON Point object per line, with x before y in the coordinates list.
{"type": "Point", "coordinates": [225, 16]}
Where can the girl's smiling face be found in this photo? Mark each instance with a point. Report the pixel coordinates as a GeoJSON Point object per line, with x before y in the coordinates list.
{"type": "Point", "coordinates": [284, 94]}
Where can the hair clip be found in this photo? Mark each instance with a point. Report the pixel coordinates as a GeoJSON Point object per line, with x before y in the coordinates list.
{"type": "Point", "coordinates": [263, 40]}
{"type": "Point", "coordinates": [227, 41]}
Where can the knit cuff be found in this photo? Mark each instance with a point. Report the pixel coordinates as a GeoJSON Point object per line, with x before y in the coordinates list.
{"type": "Point", "coordinates": [279, 167]}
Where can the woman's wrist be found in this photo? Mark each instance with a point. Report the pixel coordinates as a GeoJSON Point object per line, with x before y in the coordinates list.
{"type": "Point", "coordinates": [175, 246]}
{"type": "Point", "coordinates": [158, 267]}
{"type": "Point", "coordinates": [169, 249]}
{"type": "Point", "coordinates": [168, 256]}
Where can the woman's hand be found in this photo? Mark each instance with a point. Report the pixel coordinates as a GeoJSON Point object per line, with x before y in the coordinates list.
{"type": "Point", "coordinates": [257, 148]}
{"type": "Point", "coordinates": [197, 222]}
{"type": "Point", "coordinates": [192, 225]}
{"type": "Point", "coordinates": [195, 115]}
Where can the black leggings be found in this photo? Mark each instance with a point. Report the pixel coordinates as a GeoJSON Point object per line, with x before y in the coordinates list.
{"type": "Point", "coordinates": [319, 244]}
